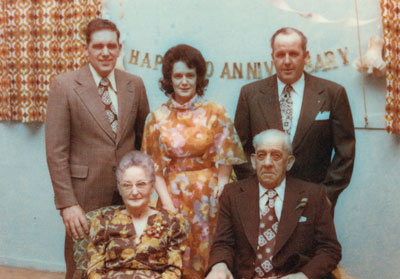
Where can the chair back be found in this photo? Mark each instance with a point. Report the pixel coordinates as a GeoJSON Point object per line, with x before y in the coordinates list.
{"type": "Point", "coordinates": [80, 245]}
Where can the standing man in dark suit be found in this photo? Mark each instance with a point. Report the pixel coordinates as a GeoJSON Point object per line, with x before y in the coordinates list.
{"type": "Point", "coordinates": [314, 112]}
{"type": "Point", "coordinates": [95, 115]}
{"type": "Point", "coordinates": [270, 226]}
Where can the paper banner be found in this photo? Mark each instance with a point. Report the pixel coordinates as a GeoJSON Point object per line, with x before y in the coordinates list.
{"type": "Point", "coordinates": [281, 4]}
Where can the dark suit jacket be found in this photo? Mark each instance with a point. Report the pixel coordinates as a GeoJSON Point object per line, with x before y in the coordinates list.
{"type": "Point", "coordinates": [310, 247]}
{"type": "Point", "coordinates": [81, 150]}
{"type": "Point", "coordinates": [258, 109]}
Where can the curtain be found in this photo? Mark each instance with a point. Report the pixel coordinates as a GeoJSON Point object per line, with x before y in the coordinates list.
{"type": "Point", "coordinates": [390, 10]}
{"type": "Point", "coordinates": [39, 39]}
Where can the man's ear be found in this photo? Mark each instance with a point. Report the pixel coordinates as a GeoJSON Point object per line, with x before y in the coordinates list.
{"type": "Point", "coordinates": [253, 160]}
{"type": "Point", "coordinates": [307, 55]}
{"type": "Point", "coordinates": [290, 162]}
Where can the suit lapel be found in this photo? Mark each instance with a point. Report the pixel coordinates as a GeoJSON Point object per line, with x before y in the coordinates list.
{"type": "Point", "coordinates": [313, 100]}
{"type": "Point", "coordinates": [125, 93]}
{"type": "Point", "coordinates": [290, 215]}
{"type": "Point", "coordinates": [86, 89]}
{"type": "Point", "coordinates": [248, 207]}
{"type": "Point", "coordinates": [268, 101]}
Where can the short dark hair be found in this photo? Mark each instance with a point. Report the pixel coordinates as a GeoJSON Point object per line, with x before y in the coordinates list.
{"type": "Point", "coordinates": [98, 24]}
{"type": "Point", "coordinates": [287, 31]}
{"type": "Point", "coordinates": [193, 59]}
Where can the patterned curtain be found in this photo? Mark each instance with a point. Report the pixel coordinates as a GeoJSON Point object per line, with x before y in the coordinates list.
{"type": "Point", "coordinates": [38, 40]}
{"type": "Point", "coordinates": [390, 10]}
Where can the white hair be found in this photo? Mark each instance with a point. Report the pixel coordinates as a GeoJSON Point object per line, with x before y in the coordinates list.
{"type": "Point", "coordinates": [274, 133]}
{"type": "Point", "coordinates": [136, 159]}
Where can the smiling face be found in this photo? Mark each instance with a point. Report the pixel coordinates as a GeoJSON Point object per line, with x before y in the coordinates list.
{"type": "Point", "coordinates": [103, 51]}
{"type": "Point", "coordinates": [271, 160]}
{"type": "Point", "coordinates": [289, 57]}
{"type": "Point", "coordinates": [135, 188]}
{"type": "Point", "coordinates": [183, 81]}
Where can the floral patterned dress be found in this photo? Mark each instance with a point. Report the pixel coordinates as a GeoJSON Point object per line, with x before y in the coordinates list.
{"type": "Point", "coordinates": [187, 143]}
{"type": "Point", "coordinates": [115, 251]}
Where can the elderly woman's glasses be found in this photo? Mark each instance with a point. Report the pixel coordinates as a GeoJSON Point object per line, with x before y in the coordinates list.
{"type": "Point", "coordinates": [126, 186]}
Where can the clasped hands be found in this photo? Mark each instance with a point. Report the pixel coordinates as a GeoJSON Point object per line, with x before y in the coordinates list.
{"type": "Point", "coordinates": [221, 271]}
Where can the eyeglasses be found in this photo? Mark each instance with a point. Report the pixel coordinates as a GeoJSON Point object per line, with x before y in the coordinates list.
{"type": "Point", "coordinates": [126, 186]}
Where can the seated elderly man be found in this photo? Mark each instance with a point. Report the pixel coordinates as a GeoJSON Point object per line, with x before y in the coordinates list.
{"type": "Point", "coordinates": [273, 226]}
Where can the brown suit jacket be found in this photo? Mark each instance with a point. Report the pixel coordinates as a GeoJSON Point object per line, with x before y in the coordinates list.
{"type": "Point", "coordinates": [258, 109]}
{"type": "Point", "coordinates": [82, 152]}
{"type": "Point", "coordinates": [310, 247]}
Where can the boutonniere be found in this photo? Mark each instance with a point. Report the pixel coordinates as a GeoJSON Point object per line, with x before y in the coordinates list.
{"type": "Point", "coordinates": [302, 203]}
{"type": "Point", "coordinates": [156, 229]}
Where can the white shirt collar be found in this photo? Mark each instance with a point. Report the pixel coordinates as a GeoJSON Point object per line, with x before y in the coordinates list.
{"type": "Point", "coordinates": [280, 190]}
{"type": "Point", "coordinates": [97, 78]}
{"type": "Point", "coordinates": [298, 86]}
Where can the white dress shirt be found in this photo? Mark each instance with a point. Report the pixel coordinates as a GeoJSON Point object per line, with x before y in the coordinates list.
{"type": "Point", "coordinates": [112, 89]}
{"type": "Point", "coordinates": [297, 98]}
{"type": "Point", "coordinates": [280, 190]}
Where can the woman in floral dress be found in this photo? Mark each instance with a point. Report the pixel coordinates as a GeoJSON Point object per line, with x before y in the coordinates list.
{"type": "Point", "coordinates": [194, 145]}
{"type": "Point", "coordinates": [136, 241]}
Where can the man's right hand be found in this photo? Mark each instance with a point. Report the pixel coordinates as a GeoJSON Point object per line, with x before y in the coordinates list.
{"type": "Point", "coordinates": [75, 221]}
{"type": "Point", "coordinates": [219, 271]}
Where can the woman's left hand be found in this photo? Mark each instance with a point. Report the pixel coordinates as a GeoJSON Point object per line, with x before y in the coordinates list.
{"type": "Point", "coordinates": [219, 190]}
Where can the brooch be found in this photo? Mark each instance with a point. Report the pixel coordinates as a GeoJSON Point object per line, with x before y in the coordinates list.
{"type": "Point", "coordinates": [156, 229]}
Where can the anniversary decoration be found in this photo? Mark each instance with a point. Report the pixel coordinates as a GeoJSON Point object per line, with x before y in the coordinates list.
{"type": "Point", "coordinates": [249, 70]}
{"type": "Point", "coordinates": [281, 4]}
{"type": "Point", "coordinates": [372, 61]}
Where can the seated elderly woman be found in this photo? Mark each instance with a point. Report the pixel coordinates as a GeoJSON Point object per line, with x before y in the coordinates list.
{"type": "Point", "coordinates": [136, 241]}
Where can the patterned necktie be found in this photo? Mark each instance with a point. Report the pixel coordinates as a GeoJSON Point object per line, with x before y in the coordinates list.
{"type": "Point", "coordinates": [266, 237]}
{"type": "Point", "coordinates": [286, 104]}
{"type": "Point", "coordinates": [109, 108]}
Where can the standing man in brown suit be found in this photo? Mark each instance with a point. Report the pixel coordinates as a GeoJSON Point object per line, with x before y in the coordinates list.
{"type": "Point", "coordinates": [95, 115]}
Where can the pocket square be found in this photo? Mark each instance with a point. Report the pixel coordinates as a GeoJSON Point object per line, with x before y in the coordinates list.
{"type": "Point", "coordinates": [323, 115]}
{"type": "Point", "coordinates": [302, 219]}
